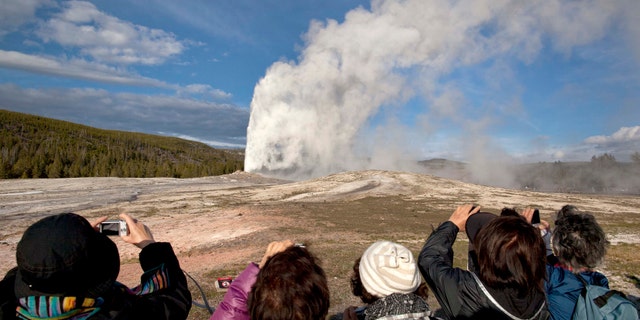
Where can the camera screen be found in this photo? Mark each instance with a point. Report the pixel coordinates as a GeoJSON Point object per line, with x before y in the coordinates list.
{"type": "Point", "coordinates": [110, 228]}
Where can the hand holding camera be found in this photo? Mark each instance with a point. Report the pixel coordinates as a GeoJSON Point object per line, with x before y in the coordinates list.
{"type": "Point", "coordinates": [139, 234]}
{"type": "Point", "coordinates": [462, 213]}
{"type": "Point", "coordinates": [128, 228]}
{"type": "Point", "coordinates": [533, 216]}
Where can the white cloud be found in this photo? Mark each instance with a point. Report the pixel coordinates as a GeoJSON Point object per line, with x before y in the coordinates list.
{"type": "Point", "coordinates": [14, 13]}
{"type": "Point", "coordinates": [205, 89]}
{"type": "Point", "coordinates": [93, 71]}
{"type": "Point", "coordinates": [108, 39]}
{"type": "Point", "coordinates": [621, 144]}
{"type": "Point", "coordinates": [203, 120]}
{"type": "Point", "coordinates": [76, 68]}
{"type": "Point", "coordinates": [213, 143]}
{"type": "Point", "coordinates": [623, 135]}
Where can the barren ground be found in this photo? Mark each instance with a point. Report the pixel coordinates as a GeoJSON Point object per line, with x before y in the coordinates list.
{"type": "Point", "coordinates": [218, 224]}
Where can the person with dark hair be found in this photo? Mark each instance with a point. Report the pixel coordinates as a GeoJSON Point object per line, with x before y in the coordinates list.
{"type": "Point", "coordinates": [566, 210]}
{"type": "Point", "coordinates": [290, 285]}
{"type": "Point", "coordinates": [287, 284]}
{"type": "Point", "coordinates": [508, 281]}
{"type": "Point", "coordinates": [579, 245]}
{"type": "Point", "coordinates": [387, 279]}
{"type": "Point", "coordinates": [68, 270]}
{"type": "Point", "coordinates": [234, 303]}
{"type": "Point", "coordinates": [509, 212]}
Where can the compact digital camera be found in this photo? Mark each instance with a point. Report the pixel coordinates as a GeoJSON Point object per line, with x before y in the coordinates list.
{"type": "Point", "coordinates": [114, 228]}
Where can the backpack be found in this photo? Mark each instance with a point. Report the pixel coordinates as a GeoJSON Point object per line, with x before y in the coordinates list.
{"type": "Point", "coordinates": [596, 302]}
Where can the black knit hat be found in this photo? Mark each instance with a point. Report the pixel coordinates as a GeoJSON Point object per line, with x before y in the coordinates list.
{"type": "Point", "coordinates": [64, 255]}
{"type": "Point", "coordinates": [475, 222]}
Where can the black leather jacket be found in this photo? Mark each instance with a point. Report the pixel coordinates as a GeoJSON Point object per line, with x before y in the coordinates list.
{"type": "Point", "coordinates": [460, 293]}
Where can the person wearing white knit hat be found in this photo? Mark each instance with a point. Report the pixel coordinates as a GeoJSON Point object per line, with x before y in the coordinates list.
{"type": "Point", "coordinates": [387, 279]}
{"type": "Point", "coordinates": [387, 267]}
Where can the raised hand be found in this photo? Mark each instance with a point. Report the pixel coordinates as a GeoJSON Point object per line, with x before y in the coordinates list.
{"type": "Point", "coordinates": [462, 213]}
{"type": "Point", "coordinates": [139, 234]}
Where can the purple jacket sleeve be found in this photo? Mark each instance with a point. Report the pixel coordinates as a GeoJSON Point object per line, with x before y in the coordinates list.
{"type": "Point", "coordinates": [234, 303]}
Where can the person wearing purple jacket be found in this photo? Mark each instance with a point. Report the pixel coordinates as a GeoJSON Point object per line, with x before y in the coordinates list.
{"type": "Point", "coordinates": [235, 304]}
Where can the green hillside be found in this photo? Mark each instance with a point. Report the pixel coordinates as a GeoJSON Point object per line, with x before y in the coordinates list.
{"type": "Point", "coordinates": [39, 147]}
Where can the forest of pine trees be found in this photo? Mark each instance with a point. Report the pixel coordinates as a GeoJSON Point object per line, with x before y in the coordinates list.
{"type": "Point", "coordinates": [39, 147]}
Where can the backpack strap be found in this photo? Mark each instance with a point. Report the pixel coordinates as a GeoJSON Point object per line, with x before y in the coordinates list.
{"type": "Point", "coordinates": [600, 301]}
{"type": "Point", "coordinates": [584, 282]}
{"type": "Point", "coordinates": [493, 300]}
{"type": "Point", "coordinates": [581, 279]}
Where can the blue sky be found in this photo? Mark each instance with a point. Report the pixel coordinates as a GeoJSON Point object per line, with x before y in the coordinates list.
{"type": "Point", "coordinates": [539, 81]}
{"type": "Point", "coordinates": [164, 67]}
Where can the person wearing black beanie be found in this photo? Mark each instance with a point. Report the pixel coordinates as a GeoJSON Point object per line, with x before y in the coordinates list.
{"type": "Point", "coordinates": [68, 270]}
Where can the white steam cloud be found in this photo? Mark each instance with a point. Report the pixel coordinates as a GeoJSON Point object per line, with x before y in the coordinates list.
{"type": "Point", "coordinates": [322, 113]}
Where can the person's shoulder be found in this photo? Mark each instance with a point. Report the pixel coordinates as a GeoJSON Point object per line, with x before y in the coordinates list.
{"type": "Point", "coordinates": [554, 271]}
{"type": "Point", "coordinates": [596, 278]}
{"type": "Point", "coordinates": [7, 296]}
{"type": "Point", "coordinates": [598, 275]}
{"type": "Point", "coordinates": [558, 274]}
{"type": "Point", "coordinates": [7, 285]}
{"type": "Point", "coordinates": [11, 274]}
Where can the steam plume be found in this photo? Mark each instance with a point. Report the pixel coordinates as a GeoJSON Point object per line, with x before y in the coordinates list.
{"type": "Point", "coordinates": [337, 107]}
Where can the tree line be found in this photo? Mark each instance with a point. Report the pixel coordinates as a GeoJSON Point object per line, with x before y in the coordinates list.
{"type": "Point", "coordinates": [603, 174]}
{"type": "Point", "coordinates": [39, 147]}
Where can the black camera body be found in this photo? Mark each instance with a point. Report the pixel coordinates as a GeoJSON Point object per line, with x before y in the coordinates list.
{"type": "Point", "coordinates": [114, 228]}
{"type": "Point", "coordinates": [536, 217]}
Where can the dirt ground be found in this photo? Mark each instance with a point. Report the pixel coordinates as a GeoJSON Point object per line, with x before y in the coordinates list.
{"type": "Point", "coordinates": [218, 224]}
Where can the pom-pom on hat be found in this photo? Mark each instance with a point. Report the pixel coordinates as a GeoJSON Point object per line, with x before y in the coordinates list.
{"type": "Point", "coordinates": [387, 267]}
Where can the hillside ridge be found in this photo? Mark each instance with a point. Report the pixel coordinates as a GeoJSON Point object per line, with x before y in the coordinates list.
{"type": "Point", "coordinates": [38, 147]}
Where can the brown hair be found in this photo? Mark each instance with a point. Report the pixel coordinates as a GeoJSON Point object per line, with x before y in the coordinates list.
{"type": "Point", "coordinates": [511, 253]}
{"type": "Point", "coordinates": [358, 289]}
{"type": "Point", "coordinates": [291, 285]}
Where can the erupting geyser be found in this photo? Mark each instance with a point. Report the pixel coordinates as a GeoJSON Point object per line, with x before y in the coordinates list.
{"type": "Point", "coordinates": [336, 107]}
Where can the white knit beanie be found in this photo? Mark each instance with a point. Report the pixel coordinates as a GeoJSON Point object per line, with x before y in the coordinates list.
{"type": "Point", "coordinates": [386, 268]}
